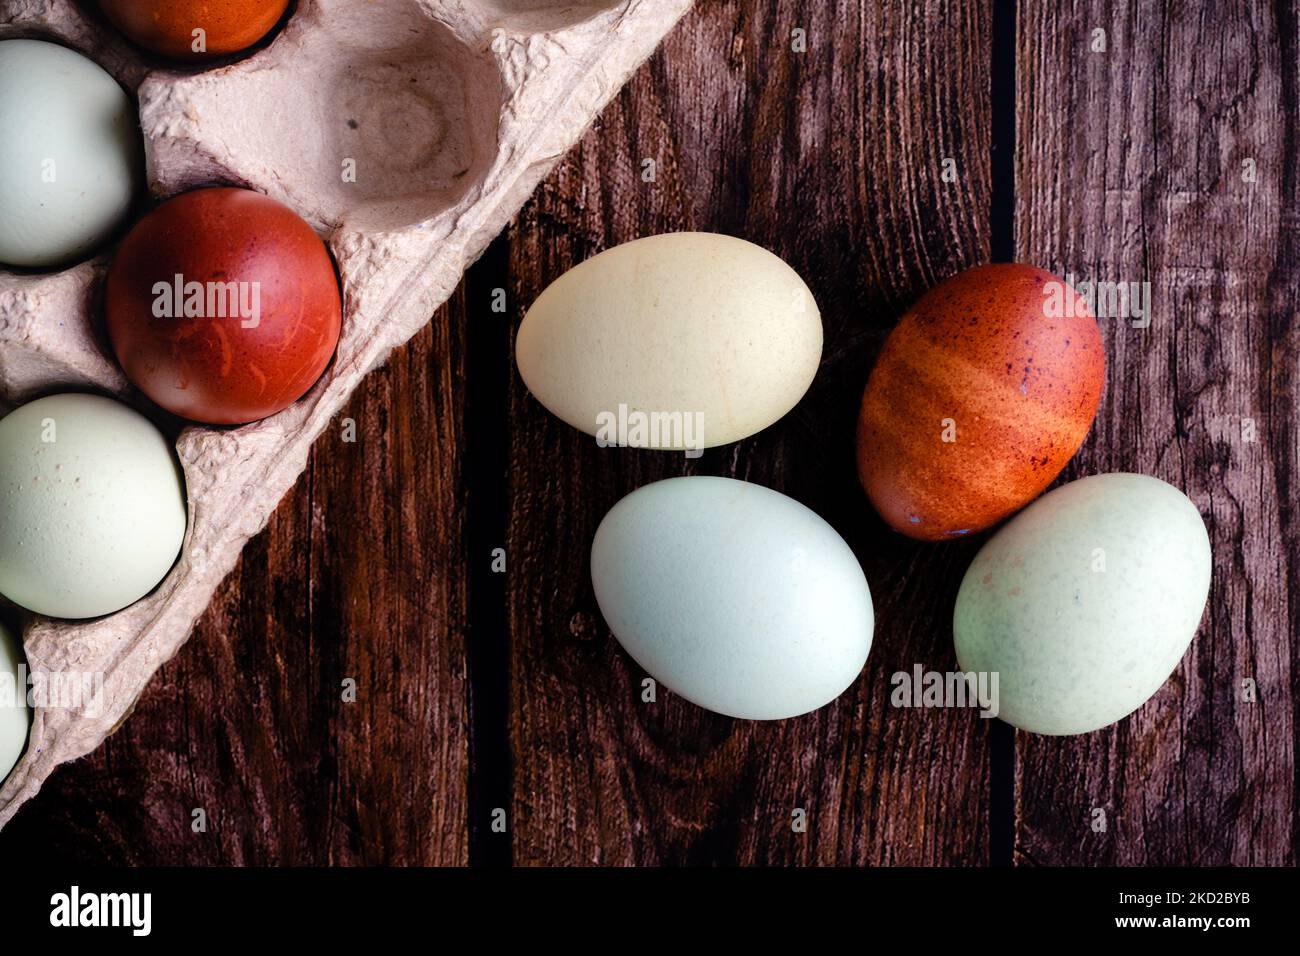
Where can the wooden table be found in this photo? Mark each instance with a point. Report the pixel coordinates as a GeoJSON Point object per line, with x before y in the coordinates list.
{"type": "Point", "coordinates": [1173, 156]}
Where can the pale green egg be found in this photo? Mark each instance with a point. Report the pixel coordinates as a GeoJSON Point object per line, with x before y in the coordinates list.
{"type": "Point", "coordinates": [92, 506]}
{"type": "Point", "coordinates": [71, 160]}
{"type": "Point", "coordinates": [1085, 602]}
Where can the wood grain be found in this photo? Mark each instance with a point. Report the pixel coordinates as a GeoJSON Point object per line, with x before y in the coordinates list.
{"type": "Point", "coordinates": [481, 690]}
{"type": "Point", "coordinates": [792, 151]}
{"type": "Point", "coordinates": [357, 576]}
{"type": "Point", "coordinates": [1130, 167]}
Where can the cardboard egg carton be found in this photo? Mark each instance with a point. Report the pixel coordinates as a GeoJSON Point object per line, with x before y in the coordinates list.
{"type": "Point", "coordinates": [451, 112]}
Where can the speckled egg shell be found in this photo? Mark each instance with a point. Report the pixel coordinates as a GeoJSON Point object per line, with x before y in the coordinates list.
{"type": "Point", "coordinates": [980, 359]}
{"type": "Point", "coordinates": [733, 595]}
{"type": "Point", "coordinates": [92, 506]}
{"type": "Point", "coordinates": [1085, 602]}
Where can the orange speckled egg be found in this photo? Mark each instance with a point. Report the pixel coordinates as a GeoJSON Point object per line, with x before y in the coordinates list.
{"type": "Point", "coordinates": [166, 27]}
{"type": "Point", "coordinates": [982, 393]}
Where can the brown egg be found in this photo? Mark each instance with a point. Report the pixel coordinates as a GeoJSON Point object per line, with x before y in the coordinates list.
{"type": "Point", "coordinates": [982, 393]}
{"type": "Point", "coordinates": [222, 306]}
{"type": "Point", "coordinates": [166, 27]}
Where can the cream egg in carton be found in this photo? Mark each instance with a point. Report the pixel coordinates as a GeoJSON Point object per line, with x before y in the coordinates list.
{"type": "Point", "coordinates": [406, 133]}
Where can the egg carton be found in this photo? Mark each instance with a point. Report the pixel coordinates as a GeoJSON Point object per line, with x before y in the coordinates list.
{"type": "Point", "coordinates": [453, 111]}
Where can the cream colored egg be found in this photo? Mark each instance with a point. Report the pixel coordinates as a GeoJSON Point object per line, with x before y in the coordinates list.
{"type": "Point", "coordinates": [1085, 602]}
{"type": "Point", "coordinates": [680, 341]}
{"type": "Point", "coordinates": [14, 714]}
{"type": "Point", "coordinates": [92, 506]}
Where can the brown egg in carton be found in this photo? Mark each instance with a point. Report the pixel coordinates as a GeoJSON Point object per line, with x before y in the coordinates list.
{"type": "Point", "coordinates": [453, 111]}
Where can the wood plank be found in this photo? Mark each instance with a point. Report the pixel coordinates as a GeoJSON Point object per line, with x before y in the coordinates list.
{"type": "Point", "coordinates": [357, 575]}
{"type": "Point", "coordinates": [831, 158]}
{"type": "Point", "coordinates": [1130, 167]}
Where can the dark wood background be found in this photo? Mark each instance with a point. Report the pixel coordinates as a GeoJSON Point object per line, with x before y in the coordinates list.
{"type": "Point", "coordinates": [480, 690]}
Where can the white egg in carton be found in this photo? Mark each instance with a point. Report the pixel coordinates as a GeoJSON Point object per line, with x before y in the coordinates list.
{"type": "Point", "coordinates": [495, 90]}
